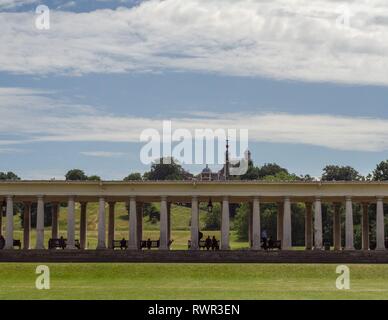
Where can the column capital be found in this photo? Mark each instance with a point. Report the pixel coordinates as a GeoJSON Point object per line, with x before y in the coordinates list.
{"type": "Point", "coordinates": [379, 198]}
{"type": "Point", "coordinates": [194, 198]}
{"type": "Point", "coordinates": [225, 198]}
{"type": "Point", "coordinates": [163, 198]}
{"type": "Point", "coordinates": [256, 198]}
{"type": "Point", "coordinates": [72, 197]}
{"type": "Point", "coordinates": [40, 196]}
{"type": "Point", "coordinates": [9, 196]}
{"type": "Point", "coordinates": [112, 203]}
{"type": "Point", "coordinates": [286, 198]}
{"type": "Point", "coordinates": [318, 198]}
{"type": "Point", "coordinates": [348, 198]}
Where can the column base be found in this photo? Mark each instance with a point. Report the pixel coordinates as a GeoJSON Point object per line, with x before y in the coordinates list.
{"type": "Point", "coordinates": [256, 248]}
{"type": "Point", "coordinates": [318, 248]}
{"type": "Point", "coordinates": [101, 248]}
{"type": "Point", "coordinates": [381, 249]}
{"type": "Point", "coordinates": [349, 249]}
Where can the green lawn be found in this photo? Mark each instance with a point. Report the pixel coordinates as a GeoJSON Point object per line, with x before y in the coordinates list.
{"type": "Point", "coordinates": [192, 281]}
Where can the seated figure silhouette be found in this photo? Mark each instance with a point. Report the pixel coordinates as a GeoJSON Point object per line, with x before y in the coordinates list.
{"type": "Point", "coordinates": [208, 243]}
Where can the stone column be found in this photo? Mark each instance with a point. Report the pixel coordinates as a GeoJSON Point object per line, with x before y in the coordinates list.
{"type": "Point", "coordinates": [54, 220]}
{"type": "Point", "coordinates": [225, 224]}
{"type": "Point", "coordinates": [380, 232]}
{"type": "Point", "coordinates": [337, 227]}
{"type": "Point", "coordinates": [169, 221]}
{"type": "Point", "coordinates": [111, 224]}
{"type": "Point", "coordinates": [365, 227]}
{"type": "Point", "coordinates": [279, 227]}
{"type": "Point", "coordinates": [9, 224]}
{"type": "Point", "coordinates": [250, 224]}
{"type": "Point", "coordinates": [308, 226]}
{"type": "Point", "coordinates": [317, 224]}
{"type": "Point", "coordinates": [163, 224]}
{"type": "Point", "coordinates": [194, 223]}
{"type": "Point", "coordinates": [71, 223]}
{"type": "Point", "coordinates": [26, 225]}
{"type": "Point", "coordinates": [101, 225]}
{"type": "Point", "coordinates": [83, 225]}
{"type": "Point", "coordinates": [139, 209]}
{"type": "Point", "coordinates": [133, 238]}
{"type": "Point", "coordinates": [349, 243]}
{"type": "Point", "coordinates": [1, 218]}
{"type": "Point", "coordinates": [256, 234]}
{"type": "Point", "coordinates": [287, 239]}
{"type": "Point", "coordinates": [40, 224]}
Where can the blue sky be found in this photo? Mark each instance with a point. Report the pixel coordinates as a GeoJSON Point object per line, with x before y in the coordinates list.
{"type": "Point", "coordinates": [310, 91]}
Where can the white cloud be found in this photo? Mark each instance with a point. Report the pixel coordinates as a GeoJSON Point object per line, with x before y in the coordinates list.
{"type": "Point", "coordinates": [29, 117]}
{"type": "Point", "coordinates": [7, 4]}
{"type": "Point", "coordinates": [102, 154]}
{"type": "Point", "coordinates": [285, 39]}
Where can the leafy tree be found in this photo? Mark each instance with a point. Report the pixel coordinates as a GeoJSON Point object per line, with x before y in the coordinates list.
{"type": "Point", "coordinates": [252, 172]}
{"type": "Point", "coordinates": [282, 176]}
{"type": "Point", "coordinates": [94, 178]}
{"type": "Point", "coordinates": [381, 171]}
{"type": "Point", "coordinates": [135, 176]}
{"type": "Point", "coordinates": [76, 175]}
{"type": "Point", "coordinates": [241, 221]}
{"type": "Point", "coordinates": [213, 219]}
{"type": "Point", "coordinates": [150, 211]}
{"type": "Point", "coordinates": [166, 169]}
{"type": "Point", "coordinates": [8, 176]}
{"type": "Point", "coordinates": [340, 173]}
{"type": "Point", "coordinates": [270, 169]}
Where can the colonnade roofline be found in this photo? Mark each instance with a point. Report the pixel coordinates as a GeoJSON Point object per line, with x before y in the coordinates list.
{"type": "Point", "coordinates": [181, 191]}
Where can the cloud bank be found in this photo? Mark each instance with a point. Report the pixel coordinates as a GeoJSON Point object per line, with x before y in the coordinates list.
{"type": "Point", "coordinates": [281, 39]}
{"type": "Point", "coordinates": [30, 116]}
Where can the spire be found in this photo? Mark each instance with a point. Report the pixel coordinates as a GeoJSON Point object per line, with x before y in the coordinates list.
{"type": "Point", "coordinates": [227, 160]}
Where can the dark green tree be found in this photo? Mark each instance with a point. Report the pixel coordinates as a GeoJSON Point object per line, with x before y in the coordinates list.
{"type": "Point", "coordinates": [135, 176]}
{"type": "Point", "coordinates": [166, 169]}
{"type": "Point", "coordinates": [270, 169]}
{"type": "Point", "coordinates": [340, 173]}
{"type": "Point", "coordinates": [381, 171]}
{"type": "Point", "coordinates": [94, 178]}
{"type": "Point", "coordinates": [8, 176]}
{"type": "Point", "coordinates": [212, 219]}
{"type": "Point", "coordinates": [76, 175]}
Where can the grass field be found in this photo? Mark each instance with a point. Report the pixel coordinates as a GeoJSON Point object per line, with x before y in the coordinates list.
{"type": "Point", "coordinates": [192, 281]}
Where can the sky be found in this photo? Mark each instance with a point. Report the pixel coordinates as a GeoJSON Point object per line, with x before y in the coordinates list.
{"type": "Point", "coordinates": [308, 79]}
